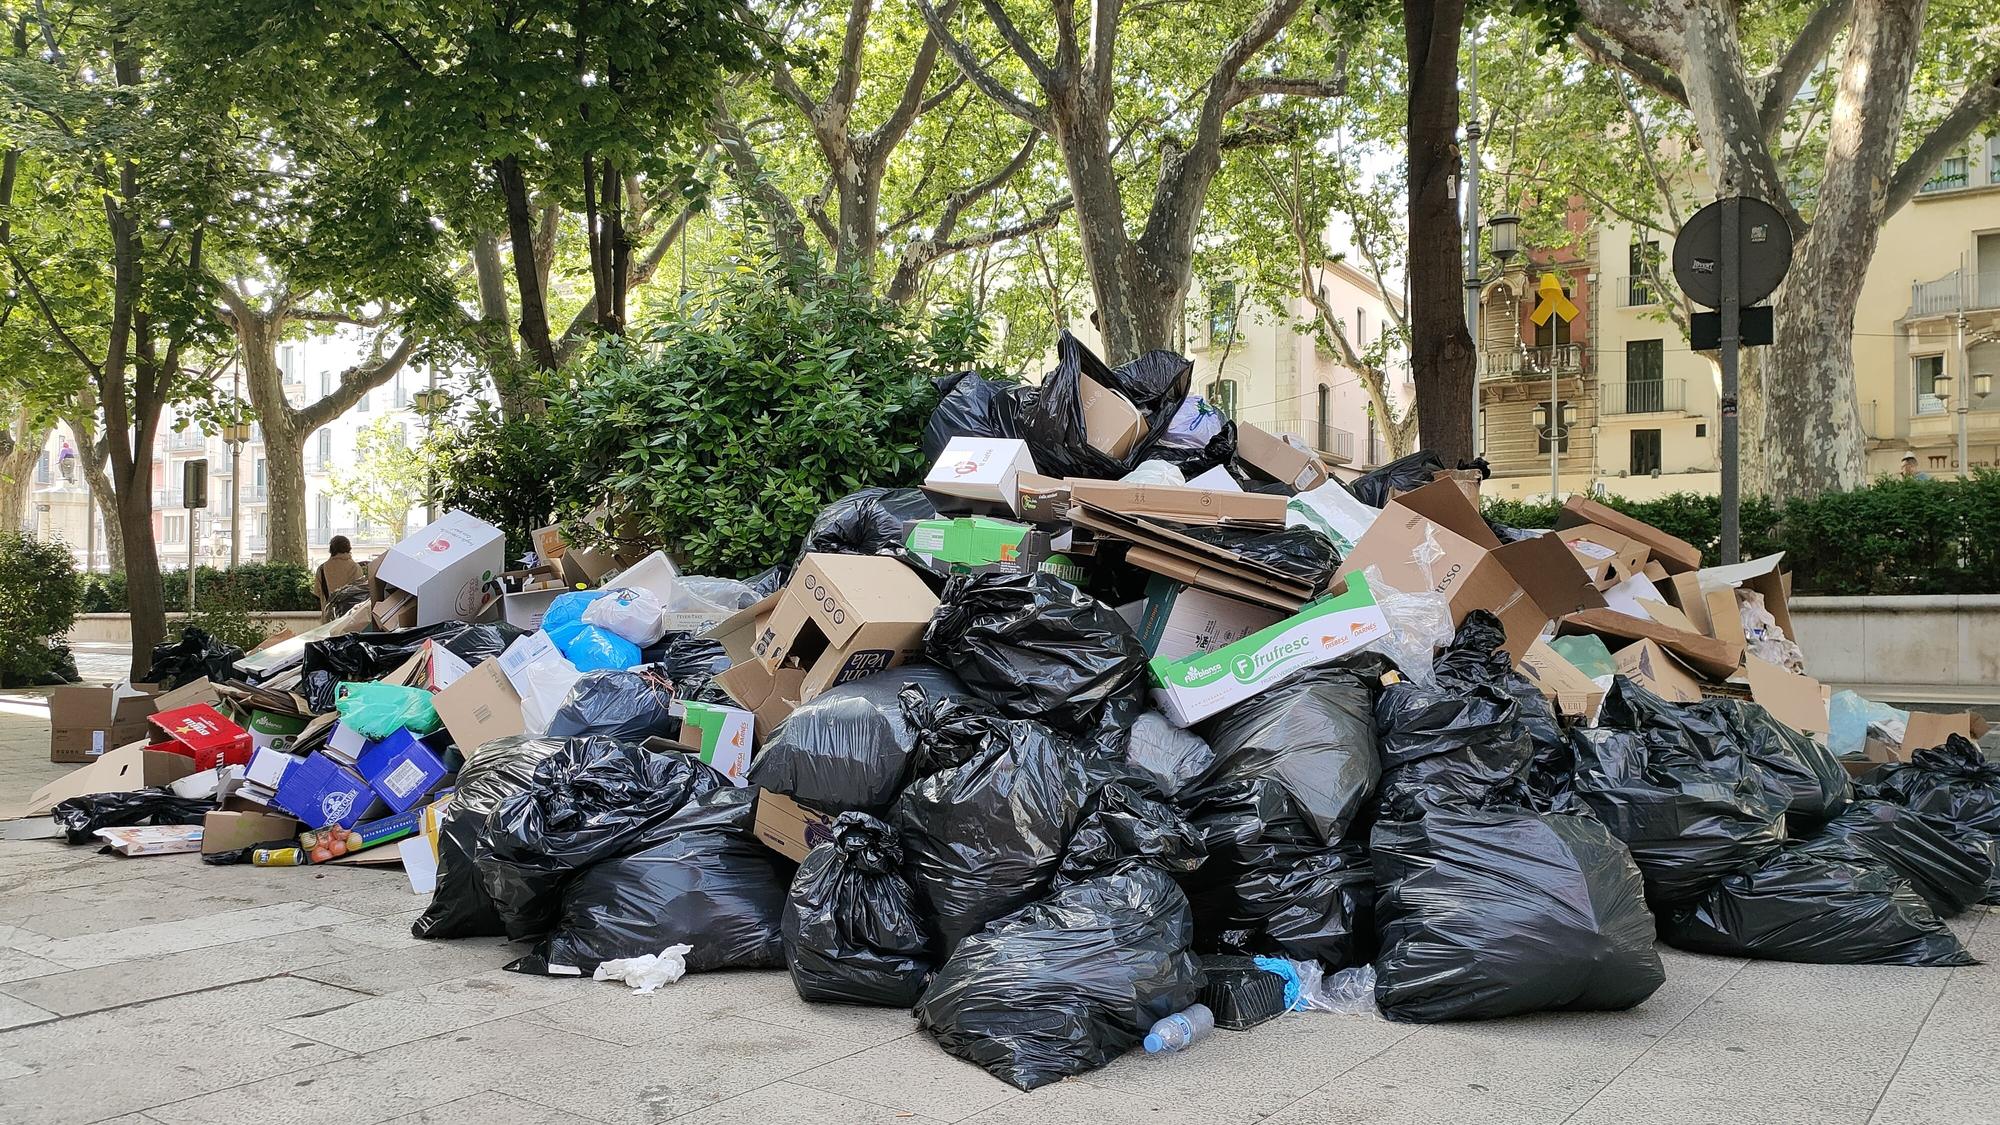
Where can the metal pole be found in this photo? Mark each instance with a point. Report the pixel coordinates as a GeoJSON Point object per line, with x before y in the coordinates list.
{"type": "Point", "coordinates": [430, 472]}
{"type": "Point", "coordinates": [236, 471]}
{"type": "Point", "coordinates": [190, 535]}
{"type": "Point", "coordinates": [1557, 431]}
{"type": "Point", "coordinates": [1728, 260]}
{"type": "Point", "coordinates": [1962, 389]}
{"type": "Point", "coordinates": [89, 519]}
{"type": "Point", "coordinates": [1472, 132]}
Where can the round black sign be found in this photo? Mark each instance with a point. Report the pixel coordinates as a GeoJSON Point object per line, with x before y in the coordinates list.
{"type": "Point", "coordinates": [1763, 252]}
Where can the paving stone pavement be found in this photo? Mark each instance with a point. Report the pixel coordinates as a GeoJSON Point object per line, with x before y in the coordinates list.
{"type": "Point", "coordinates": [158, 991]}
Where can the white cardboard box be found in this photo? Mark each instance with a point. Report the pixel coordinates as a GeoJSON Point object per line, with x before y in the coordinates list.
{"type": "Point", "coordinates": [981, 469]}
{"type": "Point", "coordinates": [446, 566]}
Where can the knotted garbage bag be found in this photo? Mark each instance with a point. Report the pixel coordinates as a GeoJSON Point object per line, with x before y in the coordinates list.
{"type": "Point", "coordinates": [359, 657]}
{"type": "Point", "coordinates": [460, 906]}
{"type": "Point", "coordinates": [1405, 474]}
{"type": "Point", "coordinates": [1954, 781]}
{"type": "Point", "coordinates": [1052, 422]}
{"type": "Point", "coordinates": [1797, 906]}
{"type": "Point", "coordinates": [971, 405]}
{"type": "Point", "coordinates": [984, 834]}
{"type": "Point", "coordinates": [627, 706]}
{"type": "Point", "coordinates": [703, 880]}
{"type": "Point", "coordinates": [853, 934]}
{"type": "Point", "coordinates": [1065, 985]}
{"type": "Point", "coordinates": [594, 800]}
{"type": "Point", "coordinates": [1305, 902]}
{"type": "Point", "coordinates": [1170, 758]}
{"type": "Point", "coordinates": [1948, 869]}
{"type": "Point", "coordinates": [1462, 738]}
{"type": "Point", "coordinates": [870, 522]}
{"type": "Point", "coordinates": [1690, 812]}
{"type": "Point", "coordinates": [1122, 825]}
{"type": "Point", "coordinates": [81, 817]}
{"type": "Point", "coordinates": [849, 747]}
{"type": "Point", "coordinates": [1036, 647]}
{"type": "Point", "coordinates": [195, 655]}
{"type": "Point", "coordinates": [1488, 912]}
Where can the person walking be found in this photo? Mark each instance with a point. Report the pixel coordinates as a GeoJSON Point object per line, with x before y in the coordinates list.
{"type": "Point", "coordinates": [338, 570]}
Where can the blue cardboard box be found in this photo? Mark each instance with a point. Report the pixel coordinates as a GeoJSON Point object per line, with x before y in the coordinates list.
{"type": "Point", "coordinates": [400, 769]}
{"type": "Point", "coordinates": [321, 793]}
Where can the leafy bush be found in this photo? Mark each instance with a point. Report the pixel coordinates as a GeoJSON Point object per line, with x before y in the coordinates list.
{"type": "Point", "coordinates": [508, 472]}
{"type": "Point", "coordinates": [40, 596]}
{"type": "Point", "coordinates": [1896, 536]}
{"type": "Point", "coordinates": [261, 587]}
{"type": "Point", "coordinates": [772, 394]}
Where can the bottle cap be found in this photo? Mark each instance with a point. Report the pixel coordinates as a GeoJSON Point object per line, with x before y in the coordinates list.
{"type": "Point", "coordinates": [1154, 1045]}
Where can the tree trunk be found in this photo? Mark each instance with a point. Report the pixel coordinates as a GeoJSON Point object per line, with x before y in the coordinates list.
{"type": "Point", "coordinates": [527, 274]}
{"type": "Point", "coordinates": [142, 565]}
{"type": "Point", "coordinates": [1441, 354]}
{"type": "Point", "coordinates": [860, 217]}
{"type": "Point", "coordinates": [20, 448]}
{"type": "Point", "coordinates": [1125, 325]}
{"type": "Point", "coordinates": [103, 497]}
{"type": "Point", "coordinates": [285, 497]}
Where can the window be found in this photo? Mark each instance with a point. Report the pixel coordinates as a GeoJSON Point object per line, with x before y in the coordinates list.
{"type": "Point", "coordinates": [288, 362]}
{"type": "Point", "coordinates": [325, 448]}
{"type": "Point", "coordinates": [42, 468]}
{"type": "Point", "coordinates": [1953, 172]}
{"type": "Point", "coordinates": [174, 529]}
{"type": "Point", "coordinates": [1360, 330]}
{"type": "Point", "coordinates": [325, 383]}
{"type": "Point", "coordinates": [402, 394]}
{"type": "Point", "coordinates": [323, 514]}
{"type": "Point", "coordinates": [1928, 369]}
{"type": "Point", "coordinates": [1701, 429]}
{"type": "Point", "coordinates": [1222, 393]}
{"type": "Point", "coordinates": [362, 406]}
{"type": "Point", "coordinates": [1643, 258]}
{"type": "Point", "coordinates": [1645, 452]}
{"type": "Point", "coordinates": [257, 473]}
{"type": "Point", "coordinates": [1222, 315]}
{"type": "Point", "coordinates": [1325, 431]}
{"type": "Point", "coordinates": [1993, 161]}
{"type": "Point", "coordinates": [1645, 390]}
{"type": "Point", "coordinates": [1555, 419]}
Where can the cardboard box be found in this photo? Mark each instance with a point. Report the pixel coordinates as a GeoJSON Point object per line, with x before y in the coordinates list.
{"type": "Point", "coordinates": [1201, 685]}
{"type": "Point", "coordinates": [1684, 591]}
{"type": "Point", "coordinates": [267, 767]}
{"type": "Point", "coordinates": [1604, 554]}
{"type": "Point", "coordinates": [576, 565]}
{"type": "Point", "coordinates": [1111, 424]}
{"type": "Point", "coordinates": [479, 707]}
{"type": "Point", "coordinates": [1525, 584]}
{"type": "Point", "coordinates": [1673, 553]}
{"type": "Point", "coordinates": [85, 722]}
{"type": "Point", "coordinates": [226, 831]}
{"type": "Point", "coordinates": [1653, 668]}
{"type": "Point", "coordinates": [771, 695]}
{"type": "Point", "coordinates": [1761, 575]}
{"type": "Point", "coordinates": [1706, 655]}
{"type": "Point", "coordinates": [1572, 691]}
{"type": "Point", "coordinates": [1040, 499]}
{"type": "Point", "coordinates": [981, 469]}
{"type": "Point", "coordinates": [321, 792]}
{"type": "Point", "coordinates": [1278, 459]}
{"type": "Point", "coordinates": [1928, 729]}
{"type": "Point", "coordinates": [720, 736]}
{"type": "Point", "coordinates": [116, 771]}
{"type": "Point", "coordinates": [789, 828]}
{"type": "Point", "coordinates": [373, 834]}
{"type": "Point", "coordinates": [843, 617]}
{"type": "Point", "coordinates": [1794, 700]}
{"type": "Point", "coordinates": [967, 541]}
{"type": "Point", "coordinates": [1165, 551]}
{"type": "Point", "coordinates": [1180, 503]}
{"type": "Point", "coordinates": [203, 734]}
{"type": "Point", "coordinates": [445, 567]}
{"type": "Point", "coordinates": [152, 839]}
{"type": "Point", "coordinates": [271, 729]}
{"type": "Point", "coordinates": [1725, 616]}
{"type": "Point", "coordinates": [524, 610]}
{"type": "Point", "coordinates": [400, 769]}
{"type": "Point", "coordinates": [1181, 620]}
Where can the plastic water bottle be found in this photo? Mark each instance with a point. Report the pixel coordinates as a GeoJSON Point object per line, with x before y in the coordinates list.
{"type": "Point", "coordinates": [1181, 1030]}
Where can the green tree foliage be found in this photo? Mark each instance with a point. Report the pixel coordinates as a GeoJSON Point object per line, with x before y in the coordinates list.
{"type": "Point", "coordinates": [770, 394]}
{"type": "Point", "coordinates": [389, 477]}
{"type": "Point", "coordinates": [40, 596]}
{"type": "Point", "coordinates": [506, 471]}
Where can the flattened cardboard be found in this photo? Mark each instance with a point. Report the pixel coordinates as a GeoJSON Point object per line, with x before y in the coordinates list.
{"type": "Point", "coordinates": [1684, 591]}
{"type": "Point", "coordinates": [1278, 459]}
{"type": "Point", "coordinates": [234, 831]}
{"type": "Point", "coordinates": [1794, 700]}
{"type": "Point", "coordinates": [1706, 655]}
{"type": "Point", "coordinates": [1163, 550]}
{"type": "Point", "coordinates": [789, 828]}
{"type": "Point", "coordinates": [1725, 617]}
{"type": "Point", "coordinates": [1653, 668]}
{"type": "Point", "coordinates": [1675, 554]}
{"type": "Point", "coordinates": [842, 617]}
{"type": "Point", "coordinates": [1566, 686]}
{"type": "Point", "coordinates": [1667, 615]}
{"type": "Point", "coordinates": [116, 771]}
{"type": "Point", "coordinates": [1111, 424]}
{"type": "Point", "coordinates": [1180, 503]}
{"type": "Point", "coordinates": [479, 707]}
{"type": "Point", "coordinates": [1927, 729]}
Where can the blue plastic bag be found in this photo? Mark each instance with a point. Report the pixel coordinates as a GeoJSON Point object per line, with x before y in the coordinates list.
{"type": "Point", "coordinates": [564, 618]}
{"type": "Point", "coordinates": [592, 649]}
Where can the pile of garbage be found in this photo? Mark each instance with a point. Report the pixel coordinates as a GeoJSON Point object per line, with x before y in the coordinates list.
{"type": "Point", "coordinates": [1127, 722]}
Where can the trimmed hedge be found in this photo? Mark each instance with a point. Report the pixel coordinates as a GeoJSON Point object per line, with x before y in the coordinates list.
{"type": "Point", "coordinates": [269, 587]}
{"type": "Point", "coordinates": [1896, 536]}
{"type": "Point", "coordinates": [39, 596]}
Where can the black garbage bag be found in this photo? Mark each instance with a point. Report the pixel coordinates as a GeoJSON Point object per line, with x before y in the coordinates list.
{"type": "Point", "coordinates": [1803, 773]}
{"type": "Point", "coordinates": [1299, 551]}
{"type": "Point", "coordinates": [849, 747]}
{"type": "Point", "coordinates": [1123, 825]}
{"type": "Point", "coordinates": [1065, 985]}
{"type": "Point", "coordinates": [594, 800]}
{"type": "Point", "coordinates": [1690, 812]}
{"type": "Point", "coordinates": [1404, 474]}
{"type": "Point", "coordinates": [1220, 450]}
{"type": "Point", "coordinates": [1797, 906]}
{"type": "Point", "coordinates": [684, 657]}
{"type": "Point", "coordinates": [347, 597]}
{"type": "Point", "coordinates": [1950, 869]}
{"type": "Point", "coordinates": [1300, 902]}
{"type": "Point", "coordinates": [1302, 754]}
{"type": "Point", "coordinates": [1462, 739]}
{"type": "Point", "coordinates": [985, 834]}
{"type": "Point", "coordinates": [196, 654]}
{"type": "Point", "coordinates": [1953, 781]}
{"type": "Point", "coordinates": [1052, 423]}
{"type": "Point", "coordinates": [460, 906]}
{"type": "Point", "coordinates": [1037, 647]}
{"type": "Point", "coordinates": [853, 934]}
{"type": "Point", "coordinates": [361, 657]}
{"type": "Point", "coordinates": [1170, 758]}
{"type": "Point", "coordinates": [81, 817]}
{"type": "Point", "coordinates": [703, 879]}
{"type": "Point", "coordinates": [1489, 912]}
{"type": "Point", "coordinates": [868, 522]}
{"type": "Point", "coordinates": [627, 706]}
{"type": "Point", "coordinates": [971, 405]}
{"type": "Point", "coordinates": [768, 581]}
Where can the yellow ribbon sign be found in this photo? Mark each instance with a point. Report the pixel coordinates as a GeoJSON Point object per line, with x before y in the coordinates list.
{"type": "Point", "coordinates": [1554, 302]}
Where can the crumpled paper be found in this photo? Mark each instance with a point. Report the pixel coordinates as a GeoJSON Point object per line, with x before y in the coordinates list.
{"type": "Point", "coordinates": [648, 971]}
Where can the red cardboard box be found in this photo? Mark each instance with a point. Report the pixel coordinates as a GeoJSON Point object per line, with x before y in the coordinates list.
{"type": "Point", "coordinates": [201, 733]}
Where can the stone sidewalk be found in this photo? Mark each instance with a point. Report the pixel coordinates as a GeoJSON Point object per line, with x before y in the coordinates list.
{"type": "Point", "coordinates": [159, 991]}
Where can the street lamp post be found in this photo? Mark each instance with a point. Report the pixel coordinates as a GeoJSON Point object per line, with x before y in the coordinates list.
{"type": "Point", "coordinates": [235, 435]}
{"type": "Point", "coordinates": [1982, 385]}
{"type": "Point", "coordinates": [1506, 228]}
{"type": "Point", "coordinates": [1555, 431]}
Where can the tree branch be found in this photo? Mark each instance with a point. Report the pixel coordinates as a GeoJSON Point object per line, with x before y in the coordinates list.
{"type": "Point", "coordinates": [642, 272]}
{"type": "Point", "coordinates": [1098, 63]}
{"type": "Point", "coordinates": [847, 77]}
{"type": "Point", "coordinates": [354, 382]}
{"type": "Point", "coordinates": [49, 316]}
{"type": "Point", "coordinates": [1979, 104]}
{"type": "Point", "coordinates": [788, 230]}
{"type": "Point", "coordinates": [1777, 87]}
{"type": "Point", "coordinates": [1249, 88]}
{"type": "Point", "coordinates": [996, 11]}
{"type": "Point", "coordinates": [1646, 70]}
{"type": "Point", "coordinates": [884, 138]}
{"type": "Point", "coordinates": [981, 78]}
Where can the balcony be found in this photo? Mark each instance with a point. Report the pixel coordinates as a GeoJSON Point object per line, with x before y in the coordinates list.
{"type": "Point", "coordinates": [1956, 292]}
{"type": "Point", "coordinates": [1545, 360]}
{"type": "Point", "coordinates": [1336, 443]}
{"type": "Point", "coordinates": [166, 498]}
{"type": "Point", "coordinates": [188, 440]}
{"type": "Point", "coordinates": [1636, 292]}
{"type": "Point", "coordinates": [1643, 396]}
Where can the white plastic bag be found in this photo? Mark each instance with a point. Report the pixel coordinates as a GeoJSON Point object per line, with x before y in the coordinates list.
{"type": "Point", "coordinates": [1154, 472]}
{"type": "Point", "coordinates": [647, 971]}
{"type": "Point", "coordinates": [1419, 625]}
{"type": "Point", "coordinates": [1195, 424]}
{"type": "Point", "coordinates": [1762, 636]}
{"type": "Point", "coordinates": [1332, 511]}
{"type": "Point", "coordinates": [697, 603]}
{"type": "Point", "coordinates": [632, 612]}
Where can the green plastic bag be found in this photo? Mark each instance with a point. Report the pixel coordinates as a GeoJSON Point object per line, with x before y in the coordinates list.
{"type": "Point", "coordinates": [380, 710]}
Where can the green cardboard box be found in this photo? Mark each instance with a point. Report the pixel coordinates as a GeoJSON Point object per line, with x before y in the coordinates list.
{"type": "Point", "coordinates": [976, 545]}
